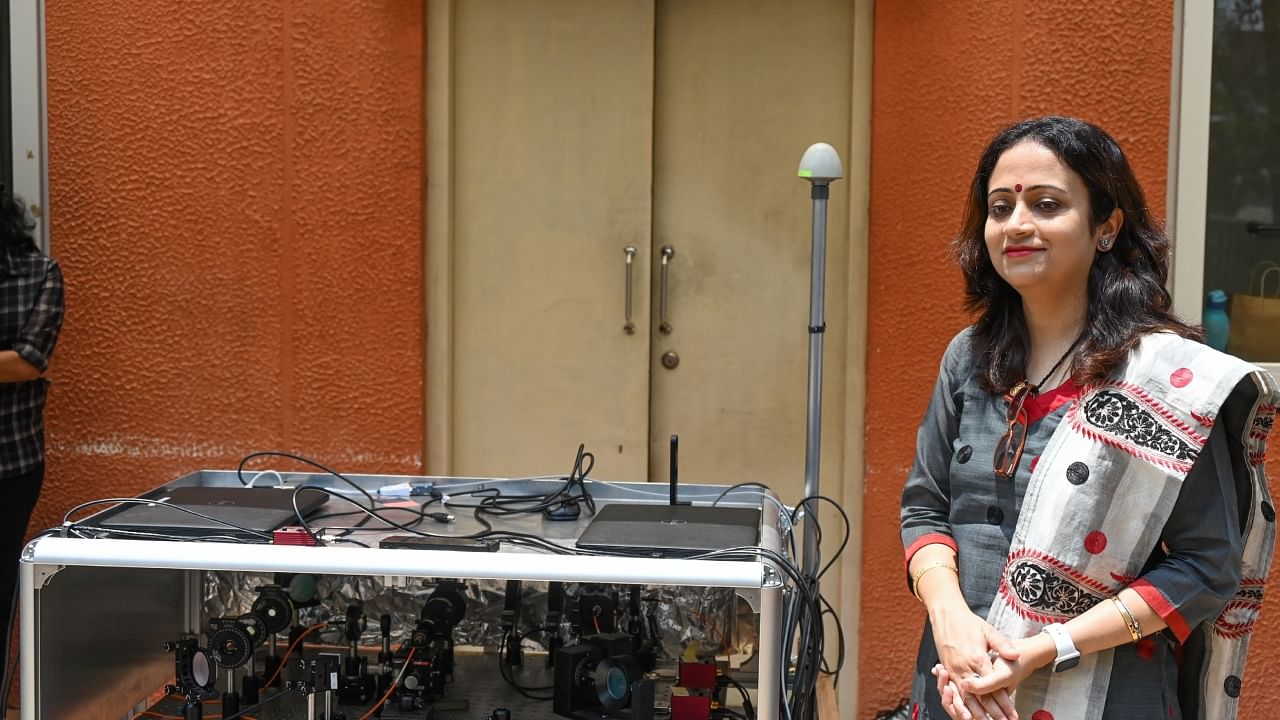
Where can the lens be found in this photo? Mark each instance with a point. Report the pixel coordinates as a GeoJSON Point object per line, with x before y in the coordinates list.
{"type": "Point", "coordinates": [302, 588]}
{"type": "Point", "coordinates": [616, 683]}
{"type": "Point", "coordinates": [612, 678]}
{"type": "Point", "coordinates": [200, 668]}
{"type": "Point", "coordinates": [1002, 455]}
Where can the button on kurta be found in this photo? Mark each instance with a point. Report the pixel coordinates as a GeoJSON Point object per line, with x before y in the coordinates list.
{"type": "Point", "coordinates": [995, 515]}
{"type": "Point", "coordinates": [1077, 473]}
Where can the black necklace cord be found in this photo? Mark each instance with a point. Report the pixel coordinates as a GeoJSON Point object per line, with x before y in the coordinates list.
{"type": "Point", "coordinates": [1035, 387]}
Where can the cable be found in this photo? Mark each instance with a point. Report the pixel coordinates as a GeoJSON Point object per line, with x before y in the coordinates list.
{"type": "Point", "coordinates": [297, 511]}
{"type": "Point", "coordinates": [747, 707]}
{"type": "Point", "coordinates": [813, 518]}
{"type": "Point", "coordinates": [377, 514]}
{"type": "Point", "coordinates": [502, 506]}
{"type": "Point", "coordinates": [301, 459]}
{"type": "Point", "coordinates": [519, 504]}
{"type": "Point", "coordinates": [706, 623]}
{"type": "Point", "coordinates": [739, 486]}
{"type": "Point", "coordinates": [839, 634]}
{"type": "Point", "coordinates": [394, 684]}
{"type": "Point", "coordinates": [493, 502]}
{"type": "Point", "coordinates": [509, 677]}
{"type": "Point", "coordinates": [241, 715]}
{"type": "Point", "coordinates": [279, 478]}
{"type": "Point", "coordinates": [351, 542]}
{"type": "Point", "coordinates": [290, 649]}
{"type": "Point", "coordinates": [784, 513]}
{"type": "Point", "coordinates": [802, 629]}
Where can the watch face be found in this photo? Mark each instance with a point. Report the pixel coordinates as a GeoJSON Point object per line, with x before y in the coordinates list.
{"type": "Point", "coordinates": [1066, 663]}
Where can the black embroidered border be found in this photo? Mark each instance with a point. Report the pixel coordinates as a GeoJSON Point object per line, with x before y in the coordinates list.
{"type": "Point", "coordinates": [1116, 413]}
{"type": "Point", "coordinates": [1044, 589]}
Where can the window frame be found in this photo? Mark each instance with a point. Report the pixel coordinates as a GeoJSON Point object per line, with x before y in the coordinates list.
{"type": "Point", "coordinates": [1189, 157]}
{"type": "Point", "coordinates": [30, 128]}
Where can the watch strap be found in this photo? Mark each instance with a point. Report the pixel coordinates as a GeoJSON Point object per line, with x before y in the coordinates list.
{"type": "Point", "coordinates": [1068, 656]}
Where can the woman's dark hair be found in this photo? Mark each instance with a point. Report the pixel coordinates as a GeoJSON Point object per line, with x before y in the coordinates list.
{"type": "Point", "coordinates": [15, 229]}
{"type": "Point", "coordinates": [1127, 297]}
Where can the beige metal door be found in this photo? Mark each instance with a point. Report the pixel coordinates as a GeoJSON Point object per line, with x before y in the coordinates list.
{"type": "Point", "coordinates": [565, 150]}
{"type": "Point", "coordinates": [743, 87]}
{"type": "Point", "coordinates": [550, 179]}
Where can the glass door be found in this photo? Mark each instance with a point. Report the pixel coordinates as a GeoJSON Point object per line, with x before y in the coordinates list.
{"type": "Point", "coordinates": [1242, 213]}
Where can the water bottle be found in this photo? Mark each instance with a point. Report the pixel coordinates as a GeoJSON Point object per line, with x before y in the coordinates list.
{"type": "Point", "coordinates": [1216, 323]}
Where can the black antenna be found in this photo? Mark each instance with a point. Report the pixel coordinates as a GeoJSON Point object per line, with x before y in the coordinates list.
{"type": "Point", "coordinates": [675, 472]}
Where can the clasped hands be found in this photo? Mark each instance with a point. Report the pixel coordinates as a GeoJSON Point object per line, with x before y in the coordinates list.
{"type": "Point", "coordinates": [979, 668]}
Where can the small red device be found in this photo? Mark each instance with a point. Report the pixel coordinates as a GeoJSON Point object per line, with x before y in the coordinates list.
{"type": "Point", "coordinates": [291, 535]}
{"type": "Point", "coordinates": [690, 707]}
{"type": "Point", "coordinates": [696, 675]}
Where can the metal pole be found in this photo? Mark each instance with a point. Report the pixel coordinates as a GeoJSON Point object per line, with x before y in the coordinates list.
{"type": "Point", "coordinates": [817, 328]}
{"type": "Point", "coordinates": [820, 166]}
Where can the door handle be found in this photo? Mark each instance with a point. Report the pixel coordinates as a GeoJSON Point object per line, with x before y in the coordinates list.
{"type": "Point", "coordinates": [630, 251]}
{"type": "Point", "coordinates": [1256, 228]}
{"type": "Point", "coordinates": [664, 327]}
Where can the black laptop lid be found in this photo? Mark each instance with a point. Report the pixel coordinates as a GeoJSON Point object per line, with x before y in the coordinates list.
{"type": "Point", "coordinates": [670, 530]}
{"type": "Point", "coordinates": [258, 509]}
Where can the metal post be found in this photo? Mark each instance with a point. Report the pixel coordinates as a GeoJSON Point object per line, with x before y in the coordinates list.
{"type": "Point", "coordinates": [820, 166]}
{"type": "Point", "coordinates": [821, 191]}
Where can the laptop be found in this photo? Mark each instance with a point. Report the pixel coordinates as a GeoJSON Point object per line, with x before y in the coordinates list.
{"type": "Point", "coordinates": [256, 509]}
{"type": "Point", "coordinates": [670, 530]}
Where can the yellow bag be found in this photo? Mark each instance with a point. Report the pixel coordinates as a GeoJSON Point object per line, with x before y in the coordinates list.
{"type": "Point", "coordinates": [1254, 334]}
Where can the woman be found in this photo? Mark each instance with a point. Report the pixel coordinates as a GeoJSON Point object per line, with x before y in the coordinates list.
{"type": "Point", "coordinates": [31, 305]}
{"type": "Point", "coordinates": [1088, 566]}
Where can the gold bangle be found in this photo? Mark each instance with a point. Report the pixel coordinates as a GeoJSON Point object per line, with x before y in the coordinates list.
{"type": "Point", "coordinates": [1135, 630]}
{"type": "Point", "coordinates": [915, 579]}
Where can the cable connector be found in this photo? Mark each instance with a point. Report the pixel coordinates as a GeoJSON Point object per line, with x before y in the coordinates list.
{"type": "Point", "coordinates": [405, 489]}
{"type": "Point", "coordinates": [440, 516]}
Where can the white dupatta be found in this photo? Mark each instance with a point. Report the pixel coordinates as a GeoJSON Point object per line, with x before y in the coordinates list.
{"type": "Point", "coordinates": [1098, 499]}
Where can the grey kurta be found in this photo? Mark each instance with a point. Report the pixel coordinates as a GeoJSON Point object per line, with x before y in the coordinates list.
{"type": "Point", "coordinates": [952, 495]}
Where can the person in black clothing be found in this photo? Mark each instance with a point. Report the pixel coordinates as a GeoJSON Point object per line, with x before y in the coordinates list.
{"type": "Point", "coordinates": [31, 308]}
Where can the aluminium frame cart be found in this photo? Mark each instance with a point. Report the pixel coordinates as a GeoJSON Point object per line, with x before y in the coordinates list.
{"type": "Point", "coordinates": [96, 612]}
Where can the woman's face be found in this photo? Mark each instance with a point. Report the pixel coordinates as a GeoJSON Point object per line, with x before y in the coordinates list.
{"type": "Point", "coordinates": [1037, 228]}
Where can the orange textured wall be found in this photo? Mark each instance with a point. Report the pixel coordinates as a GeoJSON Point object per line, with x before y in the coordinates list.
{"type": "Point", "coordinates": [947, 75]}
{"type": "Point", "coordinates": [1260, 695]}
{"type": "Point", "coordinates": [236, 193]}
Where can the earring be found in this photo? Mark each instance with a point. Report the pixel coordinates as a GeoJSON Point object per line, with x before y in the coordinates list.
{"type": "Point", "coordinates": [1105, 243]}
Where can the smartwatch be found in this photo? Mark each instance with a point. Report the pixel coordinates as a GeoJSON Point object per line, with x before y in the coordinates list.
{"type": "Point", "coordinates": [1068, 656]}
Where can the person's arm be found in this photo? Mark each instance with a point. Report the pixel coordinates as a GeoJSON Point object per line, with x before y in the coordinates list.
{"type": "Point", "coordinates": [926, 495]}
{"type": "Point", "coordinates": [961, 638]}
{"type": "Point", "coordinates": [1101, 627]}
{"type": "Point", "coordinates": [15, 368]}
{"type": "Point", "coordinates": [1197, 577]}
{"type": "Point", "coordinates": [29, 356]}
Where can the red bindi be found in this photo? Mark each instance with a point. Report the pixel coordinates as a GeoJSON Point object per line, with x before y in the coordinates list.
{"type": "Point", "coordinates": [1017, 188]}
